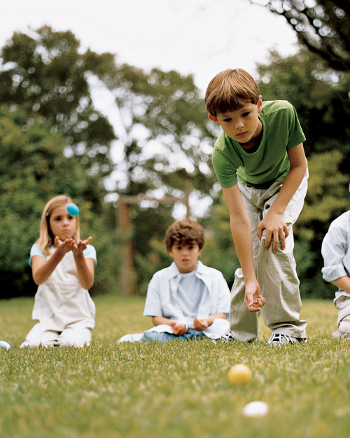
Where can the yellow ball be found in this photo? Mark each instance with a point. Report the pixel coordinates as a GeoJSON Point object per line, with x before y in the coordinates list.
{"type": "Point", "coordinates": [239, 374]}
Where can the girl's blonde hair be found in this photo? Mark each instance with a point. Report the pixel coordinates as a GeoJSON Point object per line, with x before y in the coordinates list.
{"type": "Point", "coordinates": [46, 238]}
{"type": "Point", "coordinates": [229, 90]}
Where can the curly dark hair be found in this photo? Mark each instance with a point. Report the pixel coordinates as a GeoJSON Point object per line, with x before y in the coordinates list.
{"type": "Point", "coordinates": [184, 232]}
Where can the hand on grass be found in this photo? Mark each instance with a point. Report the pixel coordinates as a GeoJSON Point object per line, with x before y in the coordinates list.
{"type": "Point", "coordinates": [253, 300]}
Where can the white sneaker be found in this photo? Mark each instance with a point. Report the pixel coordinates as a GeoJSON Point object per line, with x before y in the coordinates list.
{"type": "Point", "coordinates": [228, 337]}
{"type": "Point", "coordinates": [4, 344]}
{"type": "Point", "coordinates": [282, 339]}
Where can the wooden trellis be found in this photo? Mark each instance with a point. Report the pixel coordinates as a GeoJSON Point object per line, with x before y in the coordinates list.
{"type": "Point", "coordinates": [125, 225]}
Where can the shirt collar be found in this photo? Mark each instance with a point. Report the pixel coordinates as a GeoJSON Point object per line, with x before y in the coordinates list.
{"type": "Point", "coordinates": [174, 271]}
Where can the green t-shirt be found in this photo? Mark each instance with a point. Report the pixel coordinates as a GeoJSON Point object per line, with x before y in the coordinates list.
{"type": "Point", "coordinates": [281, 130]}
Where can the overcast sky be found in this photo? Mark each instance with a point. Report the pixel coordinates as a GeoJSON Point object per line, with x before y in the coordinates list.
{"type": "Point", "coordinates": [200, 37]}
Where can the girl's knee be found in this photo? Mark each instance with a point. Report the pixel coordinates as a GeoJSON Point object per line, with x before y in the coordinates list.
{"type": "Point", "coordinates": [75, 338]}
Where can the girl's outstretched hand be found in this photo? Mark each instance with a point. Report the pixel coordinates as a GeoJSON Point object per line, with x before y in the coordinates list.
{"type": "Point", "coordinates": [64, 246]}
{"type": "Point", "coordinates": [81, 245]}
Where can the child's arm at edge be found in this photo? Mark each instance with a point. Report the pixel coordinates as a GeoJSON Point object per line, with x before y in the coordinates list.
{"type": "Point", "coordinates": [343, 283]}
{"type": "Point", "coordinates": [241, 234]}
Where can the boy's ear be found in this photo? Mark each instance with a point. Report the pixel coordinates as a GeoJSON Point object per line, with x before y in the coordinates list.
{"type": "Point", "coordinates": [259, 104]}
{"type": "Point", "coordinates": [214, 119]}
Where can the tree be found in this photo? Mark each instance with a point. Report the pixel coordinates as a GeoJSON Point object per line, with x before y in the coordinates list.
{"type": "Point", "coordinates": [47, 75]}
{"type": "Point", "coordinates": [319, 95]}
{"type": "Point", "coordinates": [167, 145]}
{"type": "Point", "coordinates": [166, 136]}
{"type": "Point", "coordinates": [321, 25]}
{"type": "Point", "coordinates": [33, 169]}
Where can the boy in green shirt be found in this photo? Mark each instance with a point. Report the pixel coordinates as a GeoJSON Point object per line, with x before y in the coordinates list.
{"type": "Point", "coordinates": [260, 163]}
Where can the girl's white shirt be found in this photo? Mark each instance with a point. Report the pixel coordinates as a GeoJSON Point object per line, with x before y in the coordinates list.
{"type": "Point", "coordinates": [61, 300]}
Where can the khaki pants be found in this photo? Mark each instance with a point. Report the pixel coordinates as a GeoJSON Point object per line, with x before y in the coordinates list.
{"type": "Point", "coordinates": [276, 271]}
{"type": "Point", "coordinates": [343, 306]}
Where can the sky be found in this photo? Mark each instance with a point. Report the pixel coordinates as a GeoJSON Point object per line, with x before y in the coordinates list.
{"type": "Point", "coordinates": [199, 37]}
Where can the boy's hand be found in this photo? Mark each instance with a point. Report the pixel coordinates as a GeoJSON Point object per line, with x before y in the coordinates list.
{"type": "Point", "coordinates": [276, 230]}
{"type": "Point", "coordinates": [179, 329]}
{"type": "Point", "coordinates": [81, 245]}
{"type": "Point", "coordinates": [200, 324]}
{"type": "Point", "coordinates": [253, 300]}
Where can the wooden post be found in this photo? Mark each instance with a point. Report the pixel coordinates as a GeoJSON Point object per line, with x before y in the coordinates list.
{"type": "Point", "coordinates": [127, 268]}
{"type": "Point", "coordinates": [125, 225]}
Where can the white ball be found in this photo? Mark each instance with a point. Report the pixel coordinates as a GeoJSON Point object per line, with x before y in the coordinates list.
{"type": "Point", "coordinates": [255, 408]}
{"type": "Point", "coordinates": [4, 344]}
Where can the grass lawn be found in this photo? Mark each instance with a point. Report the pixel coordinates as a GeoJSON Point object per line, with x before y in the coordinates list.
{"type": "Point", "coordinates": [173, 390]}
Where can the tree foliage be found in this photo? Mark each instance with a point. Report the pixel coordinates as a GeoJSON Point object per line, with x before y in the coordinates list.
{"type": "Point", "coordinates": [166, 137]}
{"type": "Point", "coordinates": [46, 82]}
{"type": "Point", "coordinates": [47, 75]}
{"type": "Point", "coordinates": [55, 141]}
{"type": "Point", "coordinates": [33, 169]}
{"type": "Point", "coordinates": [320, 97]}
{"type": "Point", "coordinates": [321, 25]}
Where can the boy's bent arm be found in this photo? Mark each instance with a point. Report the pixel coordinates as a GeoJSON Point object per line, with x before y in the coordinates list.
{"type": "Point", "coordinates": [343, 283]}
{"type": "Point", "coordinates": [242, 237]}
{"type": "Point", "coordinates": [273, 222]}
{"type": "Point", "coordinates": [158, 320]}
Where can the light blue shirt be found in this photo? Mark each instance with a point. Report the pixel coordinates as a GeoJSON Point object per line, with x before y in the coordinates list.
{"type": "Point", "coordinates": [336, 251]}
{"type": "Point", "coordinates": [181, 297]}
{"type": "Point", "coordinates": [190, 292]}
{"type": "Point", "coordinates": [89, 253]}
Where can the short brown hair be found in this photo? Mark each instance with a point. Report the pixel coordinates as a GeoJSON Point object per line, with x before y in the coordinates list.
{"type": "Point", "coordinates": [184, 232]}
{"type": "Point", "coordinates": [230, 90]}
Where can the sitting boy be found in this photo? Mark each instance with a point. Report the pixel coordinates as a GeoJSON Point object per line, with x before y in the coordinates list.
{"type": "Point", "coordinates": [336, 254]}
{"type": "Point", "coordinates": [187, 300]}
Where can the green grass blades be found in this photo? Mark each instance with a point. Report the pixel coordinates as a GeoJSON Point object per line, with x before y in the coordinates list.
{"type": "Point", "coordinates": [173, 390]}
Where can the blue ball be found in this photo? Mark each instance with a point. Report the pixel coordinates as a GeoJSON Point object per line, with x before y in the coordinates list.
{"type": "Point", "coordinates": [72, 209]}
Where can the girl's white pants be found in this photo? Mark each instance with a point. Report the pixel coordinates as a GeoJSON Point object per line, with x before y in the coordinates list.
{"type": "Point", "coordinates": [75, 335]}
